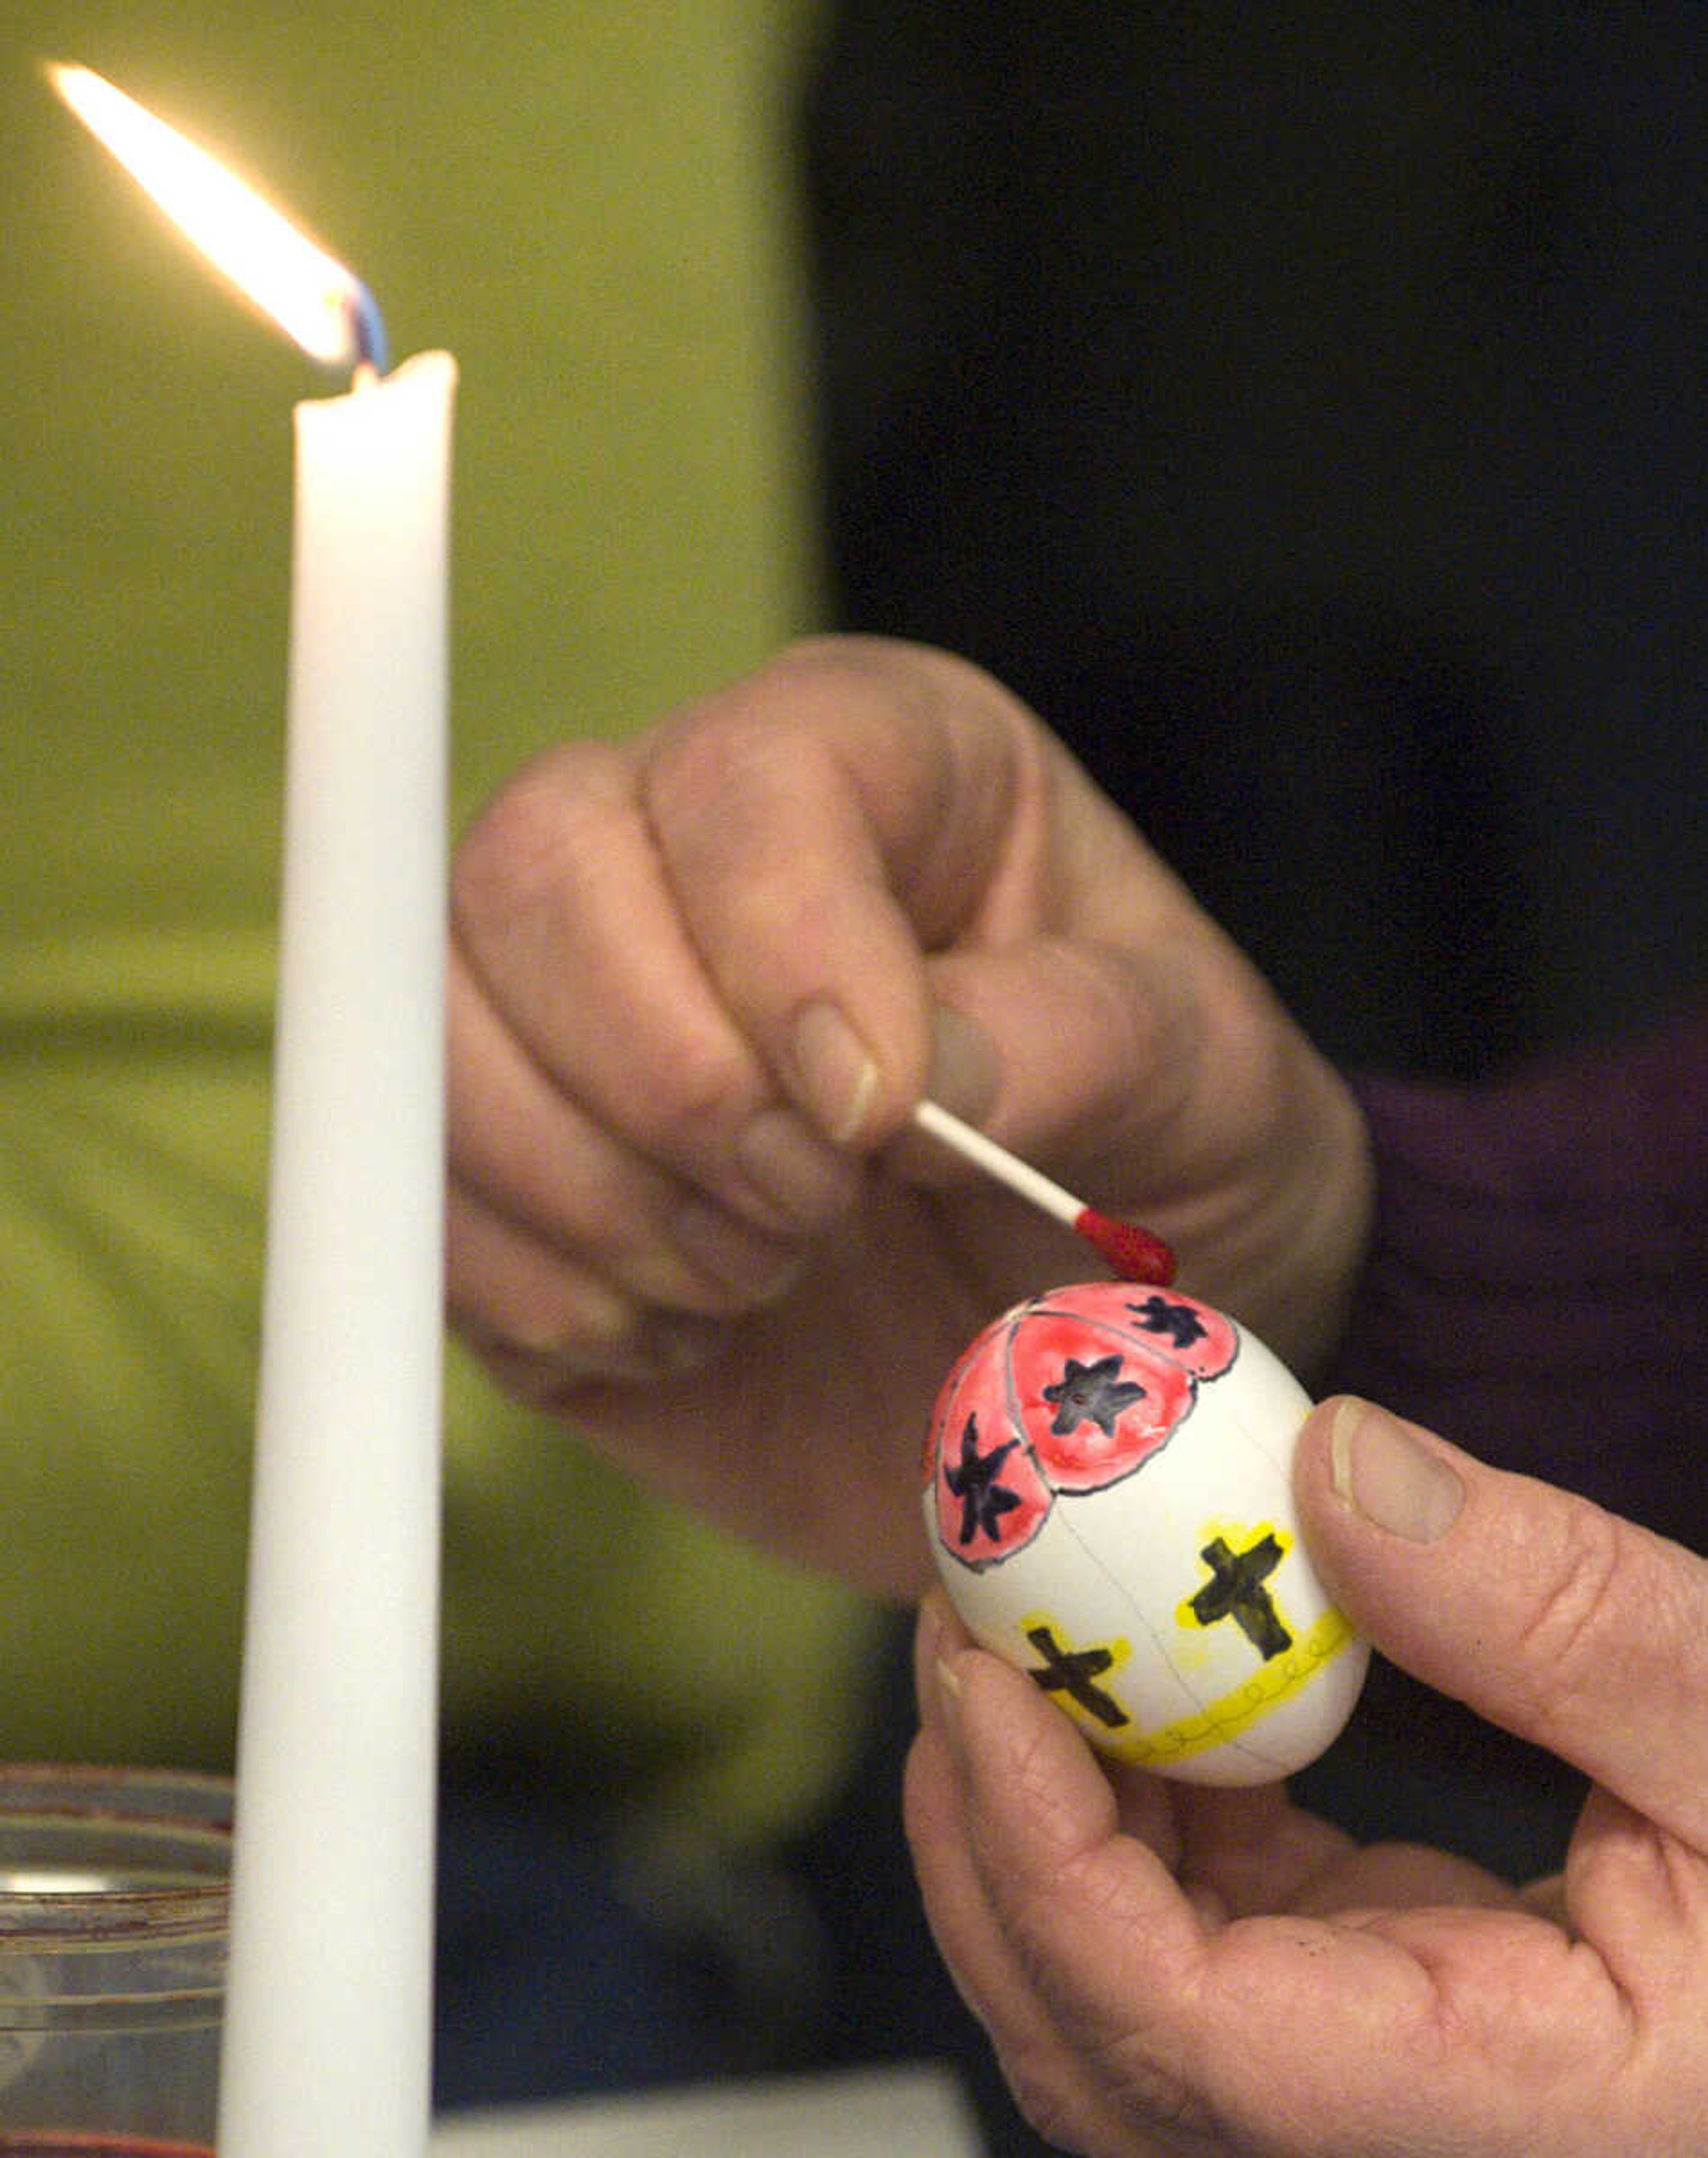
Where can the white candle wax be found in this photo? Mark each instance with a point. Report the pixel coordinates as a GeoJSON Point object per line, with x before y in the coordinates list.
{"type": "Point", "coordinates": [327, 2032]}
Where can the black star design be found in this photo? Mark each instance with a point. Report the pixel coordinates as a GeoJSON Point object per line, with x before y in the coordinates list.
{"type": "Point", "coordinates": [1091, 1393]}
{"type": "Point", "coordinates": [1178, 1321]}
{"type": "Point", "coordinates": [983, 1500]}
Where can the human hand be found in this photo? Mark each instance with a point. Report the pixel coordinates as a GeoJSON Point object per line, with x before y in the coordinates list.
{"type": "Point", "coordinates": [1167, 1969]}
{"type": "Point", "coordinates": [699, 981]}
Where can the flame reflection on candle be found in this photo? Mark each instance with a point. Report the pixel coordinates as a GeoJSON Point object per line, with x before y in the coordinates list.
{"type": "Point", "coordinates": [312, 298]}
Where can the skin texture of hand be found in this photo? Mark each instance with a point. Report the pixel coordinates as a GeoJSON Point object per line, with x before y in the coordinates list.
{"type": "Point", "coordinates": [699, 981]}
{"type": "Point", "coordinates": [1171, 1970]}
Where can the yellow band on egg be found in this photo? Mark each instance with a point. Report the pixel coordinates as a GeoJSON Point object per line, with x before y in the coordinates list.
{"type": "Point", "coordinates": [1237, 1711]}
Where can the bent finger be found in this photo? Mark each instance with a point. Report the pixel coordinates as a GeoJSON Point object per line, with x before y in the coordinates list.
{"type": "Point", "coordinates": [822, 824]}
{"type": "Point", "coordinates": [1050, 2078]}
{"type": "Point", "coordinates": [1110, 1947]}
{"type": "Point", "coordinates": [563, 921]}
{"type": "Point", "coordinates": [541, 1321]}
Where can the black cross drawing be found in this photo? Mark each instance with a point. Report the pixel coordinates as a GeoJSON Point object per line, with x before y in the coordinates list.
{"type": "Point", "coordinates": [1235, 1591]}
{"type": "Point", "coordinates": [1072, 1671]}
{"type": "Point", "coordinates": [1178, 1321]}
{"type": "Point", "coordinates": [973, 1481]}
{"type": "Point", "coordinates": [1091, 1393]}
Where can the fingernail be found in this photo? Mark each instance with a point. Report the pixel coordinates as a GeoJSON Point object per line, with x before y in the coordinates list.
{"type": "Point", "coordinates": [753, 1266]}
{"type": "Point", "coordinates": [837, 1075]}
{"type": "Point", "coordinates": [594, 1319]}
{"type": "Point", "coordinates": [965, 1074]}
{"type": "Point", "coordinates": [939, 1686]}
{"type": "Point", "coordinates": [1388, 1476]}
{"type": "Point", "coordinates": [792, 1168]}
{"type": "Point", "coordinates": [683, 1345]}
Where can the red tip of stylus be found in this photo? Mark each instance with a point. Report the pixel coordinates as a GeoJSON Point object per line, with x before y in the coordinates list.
{"type": "Point", "coordinates": [1133, 1252]}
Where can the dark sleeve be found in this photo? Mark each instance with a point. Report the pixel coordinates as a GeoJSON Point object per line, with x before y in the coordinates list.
{"type": "Point", "coordinates": [1538, 1286]}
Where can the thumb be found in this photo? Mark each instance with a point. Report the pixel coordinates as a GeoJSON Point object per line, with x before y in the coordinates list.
{"type": "Point", "coordinates": [1562, 1623]}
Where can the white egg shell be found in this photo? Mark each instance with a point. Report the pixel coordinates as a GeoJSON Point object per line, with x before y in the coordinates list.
{"type": "Point", "coordinates": [1108, 1499]}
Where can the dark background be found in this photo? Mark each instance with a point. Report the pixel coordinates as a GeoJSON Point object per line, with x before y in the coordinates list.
{"type": "Point", "coordinates": [1303, 408]}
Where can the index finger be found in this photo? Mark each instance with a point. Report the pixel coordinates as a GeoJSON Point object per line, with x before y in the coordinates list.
{"type": "Point", "coordinates": [823, 825]}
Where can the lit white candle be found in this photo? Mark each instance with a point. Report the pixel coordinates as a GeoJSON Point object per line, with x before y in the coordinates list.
{"type": "Point", "coordinates": [326, 2050]}
{"type": "Point", "coordinates": [327, 2043]}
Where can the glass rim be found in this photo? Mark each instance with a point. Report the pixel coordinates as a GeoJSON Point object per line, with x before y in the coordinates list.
{"type": "Point", "coordinates": [178, 1819]}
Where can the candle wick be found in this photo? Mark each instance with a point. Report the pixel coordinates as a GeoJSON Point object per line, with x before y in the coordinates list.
{"type": "Point", "coordinates": [368, 333]}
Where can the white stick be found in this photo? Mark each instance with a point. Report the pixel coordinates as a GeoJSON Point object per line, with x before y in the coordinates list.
{"type": "Point", "coordinates": [1019, 1176]}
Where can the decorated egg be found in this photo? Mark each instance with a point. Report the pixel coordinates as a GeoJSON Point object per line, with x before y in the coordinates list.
{"type": "Point", "coordinates": [1108, 1498]}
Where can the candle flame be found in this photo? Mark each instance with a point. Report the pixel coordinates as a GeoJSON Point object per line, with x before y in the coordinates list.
{"type": "Point", "coordinates": [312, 298]}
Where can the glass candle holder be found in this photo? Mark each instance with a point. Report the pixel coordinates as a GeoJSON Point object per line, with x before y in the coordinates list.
{"type": "Point", "coordinates": [115, 1908]}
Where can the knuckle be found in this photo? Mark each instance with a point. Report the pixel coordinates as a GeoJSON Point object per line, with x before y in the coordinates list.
{"type": "Point", "coordinates": [1045, 2091]}
{"type": "Point", "coordinates": [877, 671]}
{"type": "Point", "coordinates": [536, 845]}
{"type": "Point", "coordinates": [697, 1095]}
{"type": "Point", "coordinates": [1115, 1004]}
{"type": "Point", "coordinates": [713, 783]}
{"type": "Point", "coordinates": [1579, 1595]}
{"type": "Point", "coordinates": [829, 675]}
{"type": "Point", "coordinates": [1146, 2092]}
{"type": "Point", "coordinates": [1130, 2065]}
{"type": "Point", "coordinates": [791, 722]}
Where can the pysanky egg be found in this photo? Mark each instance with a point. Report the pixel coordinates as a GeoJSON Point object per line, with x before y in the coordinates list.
{"type": "Point", "coordinates": [1108, 1498]}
